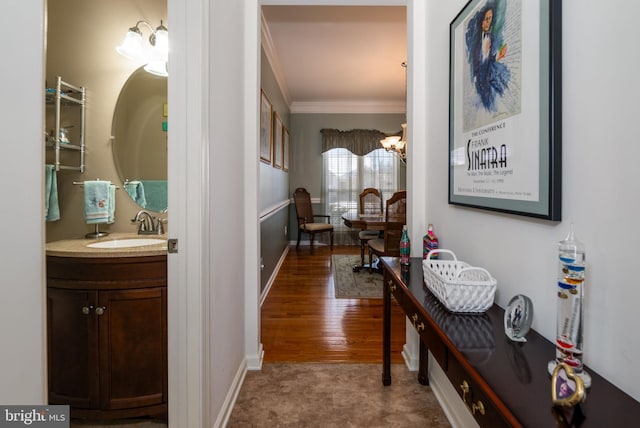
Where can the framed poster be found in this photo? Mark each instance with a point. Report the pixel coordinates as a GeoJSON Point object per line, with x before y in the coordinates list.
{"type": "Point", "coordinates": [285, 149]}
{"type": "Point", "coordinates": [266, 130]}
{"type": "Point", "coordinates": [505, 105]}
{"type": "Point", "coordinates": [277, 140]}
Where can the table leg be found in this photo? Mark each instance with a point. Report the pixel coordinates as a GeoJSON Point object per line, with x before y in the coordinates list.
{"type": "Point", "coordinates": [423, 364]}
{"type": "Point", "coordinates": [386, 333]}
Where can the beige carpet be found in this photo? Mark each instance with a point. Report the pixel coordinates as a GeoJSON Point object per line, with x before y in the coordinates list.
{"type": "Point", "coordinates": [354, 285]}
{"type": "Point", "coordinates": [334, 395]}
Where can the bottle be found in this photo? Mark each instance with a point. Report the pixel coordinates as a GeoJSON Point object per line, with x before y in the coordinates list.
{"type": "Point", "coordinates": [570, 297]}
{"type": "Point", "coordinates": [429, 242]}
{"type": "Point", "coordinates": [405, 247]}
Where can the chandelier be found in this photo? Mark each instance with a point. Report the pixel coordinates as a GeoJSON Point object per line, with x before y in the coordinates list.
{"type": "Point", "coordinates": [396, 143]}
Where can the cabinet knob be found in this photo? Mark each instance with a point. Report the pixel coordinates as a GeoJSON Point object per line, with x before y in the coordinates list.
{"type": "Point", "coordinates": [100, 310]}
{"type": "Point", "coordinates": [86, 309]}
{"type": "Point", "coordinates": [420, 327]}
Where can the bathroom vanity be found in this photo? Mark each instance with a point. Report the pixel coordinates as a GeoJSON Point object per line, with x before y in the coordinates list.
{"type": "Point", "coordinates": [107, 328]}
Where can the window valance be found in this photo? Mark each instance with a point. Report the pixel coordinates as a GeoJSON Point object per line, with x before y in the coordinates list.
{"type": "Point", "coordinates": [357, 141]}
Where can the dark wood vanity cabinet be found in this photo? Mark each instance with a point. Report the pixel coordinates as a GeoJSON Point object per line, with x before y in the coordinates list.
{"type": "Point", "coordinates": [107, 335]}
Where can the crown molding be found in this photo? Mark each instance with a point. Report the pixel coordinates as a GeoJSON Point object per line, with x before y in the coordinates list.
{"type": "Point", "coordinates": [272, 57]}
{"type": "Point", "coordinates": [369, 107]}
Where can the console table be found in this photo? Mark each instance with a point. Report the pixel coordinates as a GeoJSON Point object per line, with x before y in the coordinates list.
{"type": "Point", "coordinates": [502, 383]}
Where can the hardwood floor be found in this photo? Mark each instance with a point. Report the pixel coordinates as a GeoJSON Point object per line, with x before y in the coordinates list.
{"type": "Point", "coordinates": [302, 321]}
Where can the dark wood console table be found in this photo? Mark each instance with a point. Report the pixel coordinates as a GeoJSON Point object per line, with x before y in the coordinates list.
{"type": "Point", "coordinates": [501, 382]}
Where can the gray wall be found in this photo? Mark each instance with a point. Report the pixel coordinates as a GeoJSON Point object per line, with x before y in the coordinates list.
{"type": "Point", "coordinates": [274, 188]}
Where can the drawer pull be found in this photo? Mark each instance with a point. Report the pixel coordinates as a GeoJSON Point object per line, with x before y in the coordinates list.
{"type": "Point", "coordinates": [86, 309]}
{"type": "Point", "coordinates": [477, 407]}
{"type": "Point", "coordinates": [392, 286]}
{"type": "Point", "coordinates": [465, 390]}
{"type": "Point", "coordinates": [100, 310]}
{"type": "Point", "coordinates": [414, 319]}
{"type": "Point", "coordinates": [420, 327]}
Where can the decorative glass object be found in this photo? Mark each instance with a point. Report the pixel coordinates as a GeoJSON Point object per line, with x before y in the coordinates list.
{"type": "Point", "coordinates": [570, 297]}
{"type": "Point", "coordinates": [429, 243]}
{"type": "Point", "coordinates": [405, 247]}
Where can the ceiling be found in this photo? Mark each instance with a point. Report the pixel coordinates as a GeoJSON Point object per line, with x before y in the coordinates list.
{"type": "Point", "coordinates": [338, 59]}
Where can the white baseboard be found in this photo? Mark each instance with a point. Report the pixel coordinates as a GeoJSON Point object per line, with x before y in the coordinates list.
{"type": "Point", "coordinates": [272, 278]}
{"type": "Point", "coordinates": [452, 405]}
{"type": "Point", "coordinates": [232, 396]}
{"type": "Point", "coordinates": [307, 243]}
{"type": "Point", "coordinates": [254, 362]}
{"type": "Point", "coordinates": [411, 360]}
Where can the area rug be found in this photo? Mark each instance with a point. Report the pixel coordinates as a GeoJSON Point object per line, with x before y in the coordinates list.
{"type": "Point", "coordinates": [354, 285]}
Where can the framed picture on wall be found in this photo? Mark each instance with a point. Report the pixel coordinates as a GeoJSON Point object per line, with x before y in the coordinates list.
{"type": "Point", "coordinates": [266, 128]}
{"type": "Point", "coordinates": [505, 107]}
{"type": "Point", "coordinates": [285, 149]}
{"type": "Point", "coordinates": [278, 126]}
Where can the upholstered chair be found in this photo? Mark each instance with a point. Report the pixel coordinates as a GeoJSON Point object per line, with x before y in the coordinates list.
{"type": "Point", "coordinates": [306, 218]}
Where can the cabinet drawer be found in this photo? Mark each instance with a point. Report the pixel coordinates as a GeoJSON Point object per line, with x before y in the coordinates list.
{"type": "Point", "coordinates": [481, 407]}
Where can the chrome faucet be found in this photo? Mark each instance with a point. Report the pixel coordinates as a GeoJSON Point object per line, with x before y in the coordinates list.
{"type": "Point", "coordinates": [147, 225]}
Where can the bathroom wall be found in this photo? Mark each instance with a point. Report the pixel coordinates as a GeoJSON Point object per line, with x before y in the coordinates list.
{"type": "Point", "coordinates": [81, 40]}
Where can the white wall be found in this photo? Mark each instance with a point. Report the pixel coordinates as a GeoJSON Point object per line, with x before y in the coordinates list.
{"type": "Point", "coordinates": [600, 193]}
{"type": "Point", "coordinates": [22, 355]}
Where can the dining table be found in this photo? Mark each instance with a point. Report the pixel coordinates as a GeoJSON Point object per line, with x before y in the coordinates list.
{"type": "Point", "coordinates": [359, 221]}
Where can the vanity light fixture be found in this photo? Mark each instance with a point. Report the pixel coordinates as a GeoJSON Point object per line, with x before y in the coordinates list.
{"type": "Point", "coordinates": [156, 57]}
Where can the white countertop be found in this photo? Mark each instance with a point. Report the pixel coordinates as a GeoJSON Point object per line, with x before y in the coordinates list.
{"type": "Point", "coordinates": [78, 247]}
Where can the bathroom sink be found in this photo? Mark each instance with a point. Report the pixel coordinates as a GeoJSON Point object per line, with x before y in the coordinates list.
{"type": "Point", "coordinates": [127, 243]}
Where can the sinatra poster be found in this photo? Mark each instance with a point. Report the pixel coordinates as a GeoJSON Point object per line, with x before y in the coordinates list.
{"type": "Point", "coordinates": [499, 106]}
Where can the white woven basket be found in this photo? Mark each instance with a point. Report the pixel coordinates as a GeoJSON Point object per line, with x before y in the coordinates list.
{"type": "Point", "coordinates": [459, 286]}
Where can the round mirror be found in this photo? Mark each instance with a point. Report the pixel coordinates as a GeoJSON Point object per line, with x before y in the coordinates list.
{"type": "Point", "coordinates": [140, 139]}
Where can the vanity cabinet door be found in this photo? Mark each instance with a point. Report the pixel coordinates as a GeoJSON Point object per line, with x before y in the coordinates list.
{"type": "Point", "coordinates": [72, 347]}
{"type": "Point", "coordinates": [133, 343]}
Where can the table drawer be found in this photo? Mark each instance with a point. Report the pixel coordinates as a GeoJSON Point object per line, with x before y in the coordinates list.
{"type": "Point", "coordinates": [481, 407]}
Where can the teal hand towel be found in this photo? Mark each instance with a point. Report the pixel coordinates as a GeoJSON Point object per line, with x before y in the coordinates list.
{"type": "Point", "coordinates": [97, 201]}
{"type": "Point", "coordinates": [156, 193]}
{"type": "Point", "coordinates": [135, 189]}
{"type": "Point", "coordinates": [51, 207]}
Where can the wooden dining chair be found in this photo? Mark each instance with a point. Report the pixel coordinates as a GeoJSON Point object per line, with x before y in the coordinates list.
{"type": "Point", "coordinates": [306, 218]}
{"type": "Point", "coordinates": [370, 203]}
{"type": "Point", "coordinates": [395, 219]}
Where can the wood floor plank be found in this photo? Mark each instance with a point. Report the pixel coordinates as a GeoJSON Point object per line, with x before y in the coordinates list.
{"type": "Point", "coordinates": [302, 321]}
